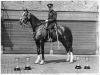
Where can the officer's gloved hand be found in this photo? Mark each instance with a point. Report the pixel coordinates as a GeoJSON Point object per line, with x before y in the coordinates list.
{"type": "Point", "coordinates": [46, 21]}
{"type": "Point", "coordinates": [34, 34]}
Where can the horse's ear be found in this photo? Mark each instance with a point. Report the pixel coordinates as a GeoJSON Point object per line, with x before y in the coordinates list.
{"type": "Point", "coordinates": [26, 10]}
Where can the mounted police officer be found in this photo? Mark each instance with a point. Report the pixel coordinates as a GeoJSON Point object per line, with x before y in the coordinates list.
{"type": "Point", "coordinates": [52, 18]}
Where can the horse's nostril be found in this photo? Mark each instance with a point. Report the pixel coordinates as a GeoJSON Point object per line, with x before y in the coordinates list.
{"type": "Point", "coordinates": [20, 22]}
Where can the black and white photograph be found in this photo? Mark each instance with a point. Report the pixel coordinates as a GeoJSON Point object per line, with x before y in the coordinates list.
{"type": "Point", "coordinates": [50, 37]}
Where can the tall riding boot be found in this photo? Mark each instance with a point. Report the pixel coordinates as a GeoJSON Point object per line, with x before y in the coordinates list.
{"type": "Point", "coordinates": [49, 38]}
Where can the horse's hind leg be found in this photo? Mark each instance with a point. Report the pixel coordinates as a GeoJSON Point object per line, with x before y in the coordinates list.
{"type": "Point", "coordinates": [42, 51]}
{"type": "Point", "coordinates": [68, 48]}
{"type": "Point", "coordinates": [71, 55]}
{"type": "Point", "coordinates": [68, 57]}
{"type": "Point", "coordinates": [38, 52]}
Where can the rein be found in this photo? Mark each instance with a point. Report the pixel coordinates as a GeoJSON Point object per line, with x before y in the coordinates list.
{"type": "Point", "coordinates": [28, 29]}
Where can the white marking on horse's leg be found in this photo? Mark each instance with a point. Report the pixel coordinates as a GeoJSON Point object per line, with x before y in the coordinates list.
{"type": "Point", "coordinates": [51, 50]}
{"type": "Point", "coordinates": [71, 57]}
{"type": "Point", "coordinates": [62, 28]}
{"type": "Point", "coordinates": [42, 62]}
{"type": "Point", "coordinates": [23, 13]}
{"type": "Point", "coordinates": [57, 37]}
{"type": "Point", "coordinates": [68, 57]}
{"type": "Point", "coordinates": [59, 31]}
{"type": "Point", "coordinates": [38, 59]}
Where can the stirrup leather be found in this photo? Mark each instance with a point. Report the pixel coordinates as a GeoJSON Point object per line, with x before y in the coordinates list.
{"type": "Point", "coordinates": [49, 38]}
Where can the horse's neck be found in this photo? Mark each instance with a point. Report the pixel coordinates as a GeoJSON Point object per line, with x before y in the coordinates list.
{"type": "Point", "coordinates": [34, 21]}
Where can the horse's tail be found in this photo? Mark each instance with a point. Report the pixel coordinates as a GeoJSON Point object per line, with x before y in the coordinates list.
{"type": "Point", "coordinates": [68, 32]}
{"type": "Point", "coordinates": [69, 37]}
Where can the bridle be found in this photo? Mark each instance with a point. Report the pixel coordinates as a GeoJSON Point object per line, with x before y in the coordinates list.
{"type": "Point", "coordinates": [25, 18]}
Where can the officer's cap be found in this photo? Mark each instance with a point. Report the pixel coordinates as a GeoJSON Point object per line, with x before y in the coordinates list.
{"type": "Point", "coordinates": [50, 5]}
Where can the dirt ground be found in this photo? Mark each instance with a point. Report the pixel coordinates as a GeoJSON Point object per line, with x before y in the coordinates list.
{"type": "Point", "coordinates": [54, 64]}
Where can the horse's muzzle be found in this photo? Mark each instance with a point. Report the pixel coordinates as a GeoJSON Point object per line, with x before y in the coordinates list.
{"type": "Point", "coordinates": [20, 21]}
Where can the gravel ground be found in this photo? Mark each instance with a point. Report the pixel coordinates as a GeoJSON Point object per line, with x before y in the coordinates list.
{"type": "Point", "coordinates": [54, 64]}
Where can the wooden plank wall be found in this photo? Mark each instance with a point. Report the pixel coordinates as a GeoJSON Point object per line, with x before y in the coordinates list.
{"type": "Point", "coordinates": [84, 34]}
{"type": "Point", "coordinates": [83, 25]}
{"type": "Point", "coordinates": [64, 15]}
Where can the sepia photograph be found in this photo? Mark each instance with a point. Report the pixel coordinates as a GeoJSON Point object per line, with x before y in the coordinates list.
{"type": "Point", "coordinates": [50, 37]}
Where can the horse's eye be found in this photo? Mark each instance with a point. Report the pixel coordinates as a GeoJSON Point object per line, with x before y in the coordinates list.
{"type": "Point", "coordinates": [26, 14]}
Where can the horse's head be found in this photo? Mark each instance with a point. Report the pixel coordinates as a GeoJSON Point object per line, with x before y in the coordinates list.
{"type": "Point", "coordinates": [25, 17]}
{"type": "Point", "coordinates": [28, 17]}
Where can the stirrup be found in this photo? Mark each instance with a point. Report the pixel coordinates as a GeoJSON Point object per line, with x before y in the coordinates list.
{"type": "Point", "coordinates": [49, 39]}
{"type": "Point", "coordinates": [48, 36]}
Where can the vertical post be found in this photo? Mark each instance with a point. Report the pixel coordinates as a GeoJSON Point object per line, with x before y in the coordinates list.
{"type": "Point", "coordinates": [27, 61]}
{"type": "Point", "coordinates": [27, 66]}
{"type": "Point", "coordinates": [51, 48]}
{"type": "Point", "coordinates": [86, 61]}
{"type": "Point", "coordinates": [78, 59]}
{"type": "Point", "coordinates": [57, 36]}
{"type": "Point", "coordinates": [78, 66]}
{"type": "Point", "coordinates": [1, 49]}
{"type": "Point", "coordinates": [17, 68]}
{"type": "Point", "coordinates": [97, 39]}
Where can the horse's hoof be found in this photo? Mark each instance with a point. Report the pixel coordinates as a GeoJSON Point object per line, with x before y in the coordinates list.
{"type": "Point", "coordinates": [67, 60]}
{"type": "Point", "coordinates": [36, 62]}
{"type": "Point", "coordinates": [71, 61]}
{"type": "Point", "coordinates": [42, 62]}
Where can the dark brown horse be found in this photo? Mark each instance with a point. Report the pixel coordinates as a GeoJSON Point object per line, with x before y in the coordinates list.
{"type": "Point", "coordinates": [41, 35]}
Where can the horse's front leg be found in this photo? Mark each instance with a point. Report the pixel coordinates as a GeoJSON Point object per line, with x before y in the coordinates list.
{"type": "Point", "coordinates": [42, 51]}
{"type": "Point", "coordinates": [68, 56]}
{"type": "Point", "coordinates": [38, 52]}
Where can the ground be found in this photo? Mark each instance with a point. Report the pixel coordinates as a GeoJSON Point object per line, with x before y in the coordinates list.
{"type": "Point", "coordinates": [54, 64]}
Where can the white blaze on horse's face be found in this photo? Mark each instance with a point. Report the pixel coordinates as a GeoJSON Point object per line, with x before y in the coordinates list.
{"type": "Point", "coordinates": [24, 18]}
{"type": "Point", "coordinates": [23, 13]}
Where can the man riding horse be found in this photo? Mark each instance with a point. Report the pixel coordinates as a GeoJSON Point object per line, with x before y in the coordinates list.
{"type": "Point", "coordinates": [40, 31]}
{"type": "Point", "coordinates": [52, 16]}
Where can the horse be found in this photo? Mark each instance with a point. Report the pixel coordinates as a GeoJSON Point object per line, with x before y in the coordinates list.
{"type": "Point", "coordinates": [41, 36]}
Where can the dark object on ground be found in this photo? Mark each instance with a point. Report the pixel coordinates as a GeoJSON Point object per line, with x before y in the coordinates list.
{"type": "Point", "coordinates": [27, 68]}
{"type": "Point", "coordinates": [78, 67]}
{"type": "Point", "coordinates": [87, 67]}
{"type": "Point", "coordinates": [17, 69]}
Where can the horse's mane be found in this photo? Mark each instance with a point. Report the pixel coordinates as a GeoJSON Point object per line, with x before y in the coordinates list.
{"type": "Point", "coordinates": [35, 22]}
{"type": "Point", "coordinates": [34, 17]}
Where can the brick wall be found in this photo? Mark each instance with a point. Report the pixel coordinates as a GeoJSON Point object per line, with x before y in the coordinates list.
{"type": "Point", "coordinates": [70, 5]}
{"type": "Point", "coordinates": [85, 10]}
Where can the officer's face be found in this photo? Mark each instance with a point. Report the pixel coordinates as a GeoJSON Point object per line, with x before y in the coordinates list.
{"type": "Point", "coordinates": [50, 8]}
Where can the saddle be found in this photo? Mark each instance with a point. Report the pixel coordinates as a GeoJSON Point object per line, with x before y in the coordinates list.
{"type": "Point", "coordinates": [49, 30]}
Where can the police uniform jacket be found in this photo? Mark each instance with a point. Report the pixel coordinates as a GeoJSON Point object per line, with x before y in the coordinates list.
{"type": "Point", "coordinates": [52, 17]}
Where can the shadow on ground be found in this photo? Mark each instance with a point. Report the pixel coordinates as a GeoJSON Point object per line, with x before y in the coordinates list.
{"type": "Point", "coordinates": [57, 61]}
